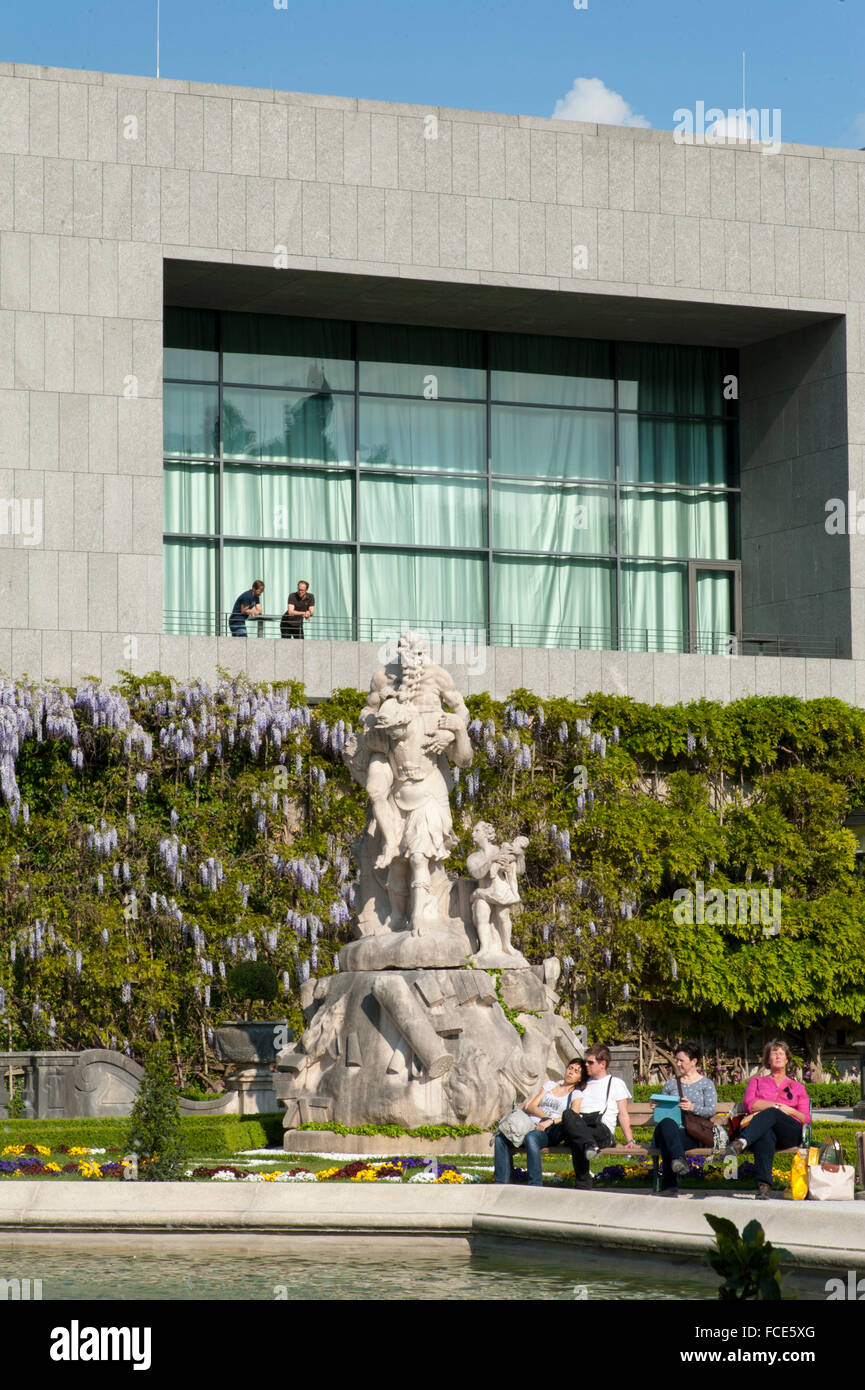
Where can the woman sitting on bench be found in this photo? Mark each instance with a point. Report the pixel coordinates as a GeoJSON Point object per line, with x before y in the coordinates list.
{"type": "Point", "coordinates": [548, 1106]}
{"type": "Point", "coordinates": [780, 1107]}
{"type": "Point", "coordinates": [699, 1097]}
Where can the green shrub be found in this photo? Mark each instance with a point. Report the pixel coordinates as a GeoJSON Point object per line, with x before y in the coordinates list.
{"type": "Point", "coordinates": [154, 1125]}
{"type": "Point", "coordinates": [210, 1136]}
{"type": "Point", "coordinates": [396, 1131]}
{"type": "Point", "coordinates": [824, 1095]}
{"type": "Point", "coordinates": [750, 1264]}
{"type": "Point", "coordinates": [252, 980]}
{"type": "Point", "coordinates": [208, 821]}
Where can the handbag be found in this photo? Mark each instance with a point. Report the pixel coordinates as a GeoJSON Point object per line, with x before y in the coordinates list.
{"type": "Point", "coordinates": [593, 1118]}
{"type": "Point", "coordinates": [697, 1127]}
{"type": "Point", "coordinates": [830, 1179]}
{"type": "Point", "coordinates": [516, 1125]}
{"type": "Point", "coordinates": [736, 1123]}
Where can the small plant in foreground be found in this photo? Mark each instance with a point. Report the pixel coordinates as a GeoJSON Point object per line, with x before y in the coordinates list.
{"type": "Point", "coordinates": [750, 1264]}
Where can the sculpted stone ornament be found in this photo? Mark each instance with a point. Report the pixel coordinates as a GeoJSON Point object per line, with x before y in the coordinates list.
{"type": "Point", "coordinates": [413, 727]}
{"type": "Point", "coordinates": [404, 1033]}
{"type": "Point", "coordinates": [496, 867]}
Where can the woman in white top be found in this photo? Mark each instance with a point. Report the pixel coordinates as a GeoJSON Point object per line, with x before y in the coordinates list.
{"type": "Point", "coordinates": [548, 1105]}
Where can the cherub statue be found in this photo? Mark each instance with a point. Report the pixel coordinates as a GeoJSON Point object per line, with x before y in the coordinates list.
{"type": "Point", "coordinates": [496, 868]}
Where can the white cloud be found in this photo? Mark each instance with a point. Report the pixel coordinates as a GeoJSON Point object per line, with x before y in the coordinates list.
{"type": "Point", "coordinates": [591, 100]}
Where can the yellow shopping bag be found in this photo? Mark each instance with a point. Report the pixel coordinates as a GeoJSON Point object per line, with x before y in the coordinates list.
{"type": "Point", "coordinates": [799, 1175]}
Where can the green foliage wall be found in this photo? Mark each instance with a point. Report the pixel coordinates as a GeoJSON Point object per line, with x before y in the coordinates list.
{"type": "Point", "coordinates": [154, 836]}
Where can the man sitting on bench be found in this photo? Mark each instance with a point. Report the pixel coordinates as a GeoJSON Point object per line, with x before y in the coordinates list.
{"type": "Point", "coordinates": [589, 1124]}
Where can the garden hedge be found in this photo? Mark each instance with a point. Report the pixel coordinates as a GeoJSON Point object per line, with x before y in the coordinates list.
{"type": "Point", "coordinates": [216, 1136]}
{"type": "Point", "coordinates": [154, 835]}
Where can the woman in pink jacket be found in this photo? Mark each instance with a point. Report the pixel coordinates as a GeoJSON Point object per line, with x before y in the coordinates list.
{"type": "Point", "coordinates": [780, 1107]}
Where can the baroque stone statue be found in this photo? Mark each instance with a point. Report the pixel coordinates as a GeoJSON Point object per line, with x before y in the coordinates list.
{"type": "Point", "coordinates": [412, 1029]}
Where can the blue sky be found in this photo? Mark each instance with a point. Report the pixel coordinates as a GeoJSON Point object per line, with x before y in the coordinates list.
{"type": "Point", "coordinates": [634, 61]}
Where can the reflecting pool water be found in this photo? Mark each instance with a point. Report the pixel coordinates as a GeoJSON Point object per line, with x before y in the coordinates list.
{"type": "Point", "coordinates": [180, 1268]}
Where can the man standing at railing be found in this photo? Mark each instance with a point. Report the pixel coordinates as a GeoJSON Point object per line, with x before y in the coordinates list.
{"type": "Point", "coordinates": [299, 610]}
{"type": "Point", "coordinates": [246, 605]}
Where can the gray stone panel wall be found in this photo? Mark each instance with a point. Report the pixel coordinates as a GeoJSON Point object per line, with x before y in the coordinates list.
{"type": "Point", "coordinates": [322, 667]}
{"type": "Point", "coordinates": [103, 176]}
{"type": "Point", "coordinates": [795, 576]}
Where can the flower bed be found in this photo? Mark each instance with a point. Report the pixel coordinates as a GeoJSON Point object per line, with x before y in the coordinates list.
{"type": "Point", "coordinates": [393, 1170]}
{"type": "Point", "coordinates": [29, 1161]}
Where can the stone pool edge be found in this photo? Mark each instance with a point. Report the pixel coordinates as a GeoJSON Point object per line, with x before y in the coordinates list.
{"type": "Point", "coordinates": [817, 1235]}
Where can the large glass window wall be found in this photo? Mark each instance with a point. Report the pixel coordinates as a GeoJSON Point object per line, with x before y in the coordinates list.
{"type": "Point", "coordinates": [533, 489]}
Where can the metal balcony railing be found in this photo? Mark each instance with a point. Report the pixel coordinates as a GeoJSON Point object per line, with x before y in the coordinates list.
{"type": "Point", "coordinates": [445, 634]}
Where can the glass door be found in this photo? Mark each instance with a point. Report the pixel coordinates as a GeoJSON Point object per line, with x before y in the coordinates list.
{"type": "Point", "coordinates": [715, 606]}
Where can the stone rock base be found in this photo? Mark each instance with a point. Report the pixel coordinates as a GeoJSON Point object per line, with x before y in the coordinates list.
{"type": "Point", "coordinates": [311, 1141]}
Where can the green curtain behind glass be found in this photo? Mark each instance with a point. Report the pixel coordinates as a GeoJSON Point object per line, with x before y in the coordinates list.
{"type": "Point", "coordinates": [661, 451]}
{"type": "Point", "coordinates": [538, 451]}
{"type": "Point", "coordinates": [535, 600]}
{"type": "Point", "coordinates": [425, 511]}
{"type": "Point", "coordinates": [189, 586]}
{"type": "Point", "coordinates": [553, 517]}
{"type": "Point", "coordinates": [671, 379]}
{"type": "Point", "coordinates": [275, 502]}
{"type": "Point", "coordinates": [189, 338]}
{"type": "Point", "coordinates": [404, 586]}
{"type": "Point", "coordinates": [189, 498]}
{"type": "Point", "coordinates": [714, 612]}
{"type": "Point", "coordinates": [674, 523]}
{"type": "Point", "coordinates": [654, 607]}
{"type": "Point", "coordinates": [397, 358]}
{"type": "Point", "coordinates": [274, 350]}
{"type": "Point", "coordinates": [190, 420]}
{"type": "Point", "coordinates": [551, 371]}
{"type": "Point", "coordinates": [422, 434]}
{"type": "Point", "coordinates": [288, 426]}
{"type": "Point", "coordinates": [534, 443]}
{"type": "Point", "coordinates": [328, 573]}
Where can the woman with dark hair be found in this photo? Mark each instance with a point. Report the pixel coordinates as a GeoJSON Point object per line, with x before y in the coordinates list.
{"type": "Point", "coordinates": [699, 1097]}
{"type": "Point", "coordinates": [780, 1107]}
{"type": "Point", "coordinates": [548, 1105]}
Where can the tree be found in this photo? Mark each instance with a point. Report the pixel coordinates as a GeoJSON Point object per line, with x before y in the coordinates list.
{"type": "Point", "coordinates": [154, 1125]}
{"type": "Point", "coordinates": [252, 979]}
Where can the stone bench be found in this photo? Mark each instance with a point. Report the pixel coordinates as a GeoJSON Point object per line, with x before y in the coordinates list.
{"type": "Point", "coordinates": [640, 1113]}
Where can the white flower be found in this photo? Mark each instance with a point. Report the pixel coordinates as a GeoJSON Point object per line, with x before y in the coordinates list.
{"type": "Point", "coordinates": [422, 1177]}
{"type": "Point", "coordinates": [223, 1175]}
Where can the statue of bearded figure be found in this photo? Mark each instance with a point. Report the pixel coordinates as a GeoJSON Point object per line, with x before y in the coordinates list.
{"type": "Point", "coordinates": [414, 724]}
{"type": "Point", "coordinates": [414, 677]}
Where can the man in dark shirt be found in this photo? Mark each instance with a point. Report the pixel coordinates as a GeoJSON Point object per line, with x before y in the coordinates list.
{"type": "Point", "coordinates": [246, 605]}
{"type": "Point", "coordinates": [299, 610]}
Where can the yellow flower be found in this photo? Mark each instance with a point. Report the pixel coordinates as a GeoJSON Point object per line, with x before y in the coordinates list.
{"type": "Point", "coordinates": [41, 1149]}
{"type": "Point", "coordinates": [53, 1168]}
{"type": "Point", "coordinates": [326, 1173]}
{"type": "Point", "coordinates": [448, 1176]}
{"type": "Point", "coordinates": [78, 1152]}
{"type": "Point", "coordinates": [89, 1170]}
{"type": "Point", "coordinates": [271, 1177]}
{"type": "Point", "coordinates": [13, 1151]}
{"type": "Point", "coordinates": [365, 1175]}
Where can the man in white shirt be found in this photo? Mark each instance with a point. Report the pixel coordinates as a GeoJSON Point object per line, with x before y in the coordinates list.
{"type": "Point", "coordinates": [590, 1123]}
